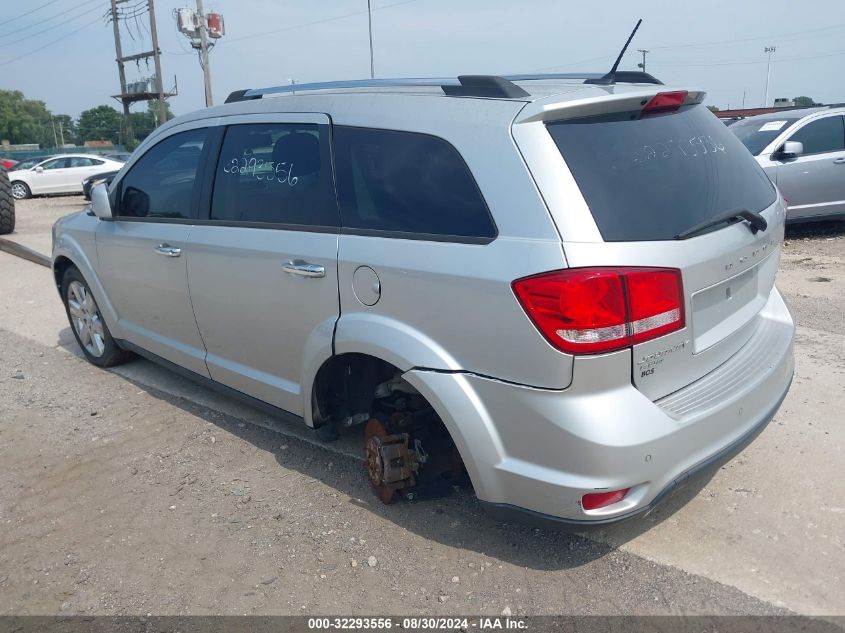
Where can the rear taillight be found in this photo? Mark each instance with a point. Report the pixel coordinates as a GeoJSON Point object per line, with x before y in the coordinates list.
{"type": "Point", "coordinates": [665, 102]}
{"type": "Point", "coordinates": [595, 310]}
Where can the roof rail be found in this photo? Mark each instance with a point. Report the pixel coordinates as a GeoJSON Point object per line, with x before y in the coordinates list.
{"type": "Point", "coordinates": [463, 86]}
{"type": "Point", "coordinates": [239, 95]}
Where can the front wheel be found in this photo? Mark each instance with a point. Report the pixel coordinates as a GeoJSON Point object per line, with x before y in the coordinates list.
{"type": "Point", "coordinates": [20, 190]}
{"type": "Point", "coordinates": [90, 330]}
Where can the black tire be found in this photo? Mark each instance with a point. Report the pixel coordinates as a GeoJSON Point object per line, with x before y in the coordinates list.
{"type": "Point", "coordinates": [27, 193]}
{"type": "Point", "coordinates": [7, 204]}
{"type": "Point", "coordinates": [112, 354]}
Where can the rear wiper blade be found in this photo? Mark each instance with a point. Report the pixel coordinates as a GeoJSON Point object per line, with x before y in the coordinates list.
{"type": "Point", "coordinates": [756, 222]}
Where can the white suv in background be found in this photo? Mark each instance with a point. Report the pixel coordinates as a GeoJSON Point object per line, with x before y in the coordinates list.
{"type": "Point", "coordinates": [803, 152]}
{"type": "Point", "coordinates": [59, 174]}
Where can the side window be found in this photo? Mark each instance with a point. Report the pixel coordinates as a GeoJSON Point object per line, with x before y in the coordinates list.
{"type": "Point", "coordinates": [823, 135]}
{"type": "Point", "coordinates": [275, 173]}
{"type": "Point", "coordinates": [56, 163]}
{"type": "Point", "coordinates": [161, 183]}
{"type": "Point", "coordinates": [78, 161]}
{"type": "Point", "coordinates": [407, 183]}
{"type": "Point", "coordinates": [95, 161]}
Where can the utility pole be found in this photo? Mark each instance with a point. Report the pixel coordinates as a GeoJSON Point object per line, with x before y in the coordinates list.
{"type": "Point", "coordinates": [55, 139]}
{"type": "Point", "coordinates": [127, 120]}
{"type": "Point", "coordinates": [138, 90]}
{"type": "Point", "coordinates": [768, 50]}
{"type": "Point", "coordinates": [162, 108]}
{"type": "Point", "coordinates": [206, 71]}
{"type": "Point", "coordinates": [643, 51]}
{"type": "Point", "coordinates": [370, 20]}
{"type": "Point", "coordinates": [61, 134]}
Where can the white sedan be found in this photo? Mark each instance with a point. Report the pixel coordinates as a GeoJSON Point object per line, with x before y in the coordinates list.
{"type": "Point", "coordinates": [59, 174]}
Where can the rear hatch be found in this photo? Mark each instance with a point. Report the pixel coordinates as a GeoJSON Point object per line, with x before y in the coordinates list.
{"type": "Point", "coordinates": [627, 172]}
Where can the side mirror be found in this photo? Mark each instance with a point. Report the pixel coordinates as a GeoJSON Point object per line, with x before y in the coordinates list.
{"type": "Point", "coordinates": [791, 149]}
{"type": "Point", "coordinates": [100, 204]}
{"type": "Point", "coordinates": [39, 169]}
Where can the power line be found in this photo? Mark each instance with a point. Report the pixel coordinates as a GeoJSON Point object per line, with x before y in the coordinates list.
{"type": "Point", "coordinates": [323, 21]}
{"type": "Point", "coordinates": [23, 15]}
{"type": "Point", "coordinates": [55, 41]}
{"type": "Point", "coordinates": [50, 28]}
{"type": "Point", "coordinates": [752, 39]}
{"type": "Point", "coordinates": [749, 62]}
{"type": "Point", "coordinates": [40, 23]}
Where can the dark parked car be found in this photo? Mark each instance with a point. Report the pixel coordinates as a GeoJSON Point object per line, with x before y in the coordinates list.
{"type": "Point", "coordinates": [89, 183]}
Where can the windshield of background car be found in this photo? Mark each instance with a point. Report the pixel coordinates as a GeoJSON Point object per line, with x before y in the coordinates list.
{"type": "Point", "coordinates": [756, 133]}
{"type": "Point", "coordinates": [654, 177]}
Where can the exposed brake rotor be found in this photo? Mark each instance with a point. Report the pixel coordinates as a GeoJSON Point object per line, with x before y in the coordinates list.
{"type": "Point", "coordinates": [389, 462]}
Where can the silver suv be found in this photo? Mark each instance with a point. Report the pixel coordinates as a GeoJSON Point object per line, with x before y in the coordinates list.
{"type": "Point", "coordinates": [562, 289]}
{"type": "Point", "coordinates": [803, 152]}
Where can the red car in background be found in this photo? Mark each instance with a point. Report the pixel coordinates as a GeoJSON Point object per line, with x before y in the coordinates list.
{"type": "Point", "coordinates": [7, 163]}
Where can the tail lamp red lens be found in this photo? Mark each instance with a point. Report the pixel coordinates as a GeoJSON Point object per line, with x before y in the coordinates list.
{"type": "Point", "coordinates": [665, 101]}
{"type": "Point", "coordinates": [596, 500]}
{"type": "Point", "coordinates": [597, 310]}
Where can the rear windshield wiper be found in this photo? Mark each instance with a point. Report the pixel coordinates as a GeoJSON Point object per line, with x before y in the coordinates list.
{"type": "Point", "coordinates": [756, 221]}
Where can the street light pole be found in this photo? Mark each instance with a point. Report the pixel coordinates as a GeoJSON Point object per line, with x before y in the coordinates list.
{"type": "Point", "coordinates": [768, 50]}
{"type": "Point", "coordinates": [370, 20]}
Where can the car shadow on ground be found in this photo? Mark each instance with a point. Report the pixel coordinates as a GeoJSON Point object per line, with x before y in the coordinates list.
{"type": "Point", "coordinates": [827, 228]}
{"type": "Point", "coordinates": [456, 520]}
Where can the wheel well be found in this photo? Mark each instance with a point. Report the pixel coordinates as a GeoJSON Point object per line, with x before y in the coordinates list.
{"type": "Point", "coordinates": [358, 390]}
{"type": "Point", "coordinates": [60, 266]}
{"type": "Point", "coordinates": [345, 386]}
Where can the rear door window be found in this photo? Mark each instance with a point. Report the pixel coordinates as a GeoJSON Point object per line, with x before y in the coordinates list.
{"type": "Point", "coordinates": [822, 136]}
{"type": "Point", "coordinates": [652, 178]}
{"type": "Point", "coordinates": [408, 185]}
{"type": "Point", "coordinates": [275, 173]}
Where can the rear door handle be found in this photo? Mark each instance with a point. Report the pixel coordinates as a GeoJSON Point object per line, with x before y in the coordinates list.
{"type": "Point", "coordinates": [839, 161]}
{"type": "Point", "coordinates": [167, 250]}
{"type": "Point", "coordinates": [301, 268]}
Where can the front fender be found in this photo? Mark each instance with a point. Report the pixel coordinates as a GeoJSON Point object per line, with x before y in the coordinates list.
{"type": "Point", "coordinates": [74, 238]}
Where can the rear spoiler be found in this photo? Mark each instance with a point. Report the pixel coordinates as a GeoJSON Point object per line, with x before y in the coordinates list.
{"type": "Point", "coordinates": [598, 103]}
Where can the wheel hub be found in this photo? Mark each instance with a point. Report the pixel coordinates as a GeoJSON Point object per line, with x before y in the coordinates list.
{"type": "Point", "coordinates": [389, 462]}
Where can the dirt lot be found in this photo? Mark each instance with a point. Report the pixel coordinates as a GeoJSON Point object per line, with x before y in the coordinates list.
{"type": "Point", "coordinates": [133, 491]}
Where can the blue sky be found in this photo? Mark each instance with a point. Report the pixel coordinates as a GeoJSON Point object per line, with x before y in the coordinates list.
{"type": "Point", "coordinates": [717, 46]}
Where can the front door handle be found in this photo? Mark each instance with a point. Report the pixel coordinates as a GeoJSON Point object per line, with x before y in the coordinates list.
{"type": "Point", "coordinates": [839, 161]}
{"type": "Point", "coordinates": [301, 268]}
{"type": "Point", "coordinates": [167, 250]}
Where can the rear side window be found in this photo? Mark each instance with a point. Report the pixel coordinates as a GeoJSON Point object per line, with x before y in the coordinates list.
{"type": "Point", "coordinates": [822, 135]}
{"type": "Point", "coordinates": [275, 173]}
{"type": "Point", "coordinates": [408, 185]}
{"type": "Point", "coordinates": [652, 178]}
{"type": "Point", "coordinates": [161, 184]}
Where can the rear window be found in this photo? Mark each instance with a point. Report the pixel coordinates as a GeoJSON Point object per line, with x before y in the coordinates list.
{"type": "Point", "coordinates": [652, 178]}
{"type": "Point", "coordinates": [756, 133]}
{"type": "Point", "coordinates": [407, 185]}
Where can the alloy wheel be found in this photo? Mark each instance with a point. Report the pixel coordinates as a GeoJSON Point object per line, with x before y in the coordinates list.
{"type": "Point", "coordinates": [86, 319]}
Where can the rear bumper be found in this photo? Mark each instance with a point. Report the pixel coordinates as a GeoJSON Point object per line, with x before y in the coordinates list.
{"type": "Point", "coordinates": [533, 453]}
{"type": "Point", "coordinates": [514, 514]}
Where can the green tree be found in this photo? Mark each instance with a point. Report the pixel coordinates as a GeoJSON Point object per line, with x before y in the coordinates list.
{"type": "Point", "coordinates": [713, 108]}
{"type": "Point", "coordinates": [102, 123]}
{"type": "Point", "coordinates": [804, 102]}
{"type": "Point", "coordinates": [24, 120]}
{"type": "Point", "coordinates": [144, 122]}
